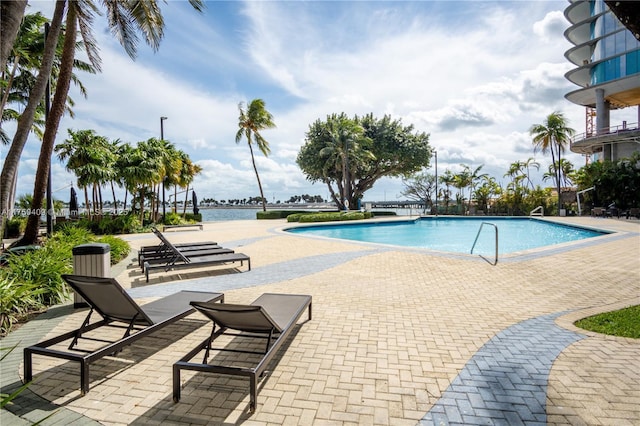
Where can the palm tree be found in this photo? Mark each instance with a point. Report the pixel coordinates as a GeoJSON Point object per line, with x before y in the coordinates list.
{"type": "Point", "coordinates": [251, 122]}
{"type": "Point", "coordinates": [552, 135]}
{"type": "Point", "coordinates": [448, 179]}
{"type": "Point", "coordinates": [188, 171]}
{"type": "Point", "coordinates": [25, 122]}
{"type": "Point", "coordinates": [474, 178]}
{"type": "Point", "coordinates": [124, 19]}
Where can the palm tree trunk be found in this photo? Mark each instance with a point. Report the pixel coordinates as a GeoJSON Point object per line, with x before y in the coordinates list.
{"type": "Point", "coordinates": [558, 178]}
{"type": "Point", "coordinates": [87, 206]}
{"type": "Point", "coordinates": [53, 121]}
{"type": "Point", "coordinates": [25, 122]}
{"type": "Point", "coordinates": [186, 198]}
{"type": "Point", "coordinates": [255, 169]}
{"type": "Point", "coordinates": [12, 13]}
{"type": "Point", "coordinates": [115, 202]}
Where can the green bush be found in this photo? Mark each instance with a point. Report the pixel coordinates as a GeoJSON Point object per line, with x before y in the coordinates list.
{"type": "Point", "coordinates": [172, 219]}
{"type": "Point", "coordinates": [119, 248]}
{"type": "Point", "coordinates": [190, 217]}
{"type": "Point", "coordinates": [16, 300]}
{"type": "Point", "coordinates": [279, 214]}
{"type": "Point", "coordinates": [33, 280]}
{"type": "Point", "coordinates": [334, 216]}
{"type": "Point", "coordinates": [15, 227]}
{"type": "Point", "coordinates": [41, 270]}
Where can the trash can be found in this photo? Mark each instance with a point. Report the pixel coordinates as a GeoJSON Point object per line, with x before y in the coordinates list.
{"type": "Point", "coordinates": [93, 260]}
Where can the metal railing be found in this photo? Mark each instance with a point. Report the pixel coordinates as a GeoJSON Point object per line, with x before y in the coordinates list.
{"type": "Point", "coordinates": [538, 211]}
{"type": "Point", "coordinates": [613, 130]}
{"type": "Point", "coordinates": [495, 260]}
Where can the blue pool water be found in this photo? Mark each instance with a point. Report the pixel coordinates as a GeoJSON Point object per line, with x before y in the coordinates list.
{"type": "Point", "coordinates": [457, 234]}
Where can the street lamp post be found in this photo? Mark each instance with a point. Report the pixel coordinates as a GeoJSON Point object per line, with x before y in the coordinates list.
{"type": "Point", "coordinates": [164, 177]}
{"type": "Point", "coordinates": [436, 156]}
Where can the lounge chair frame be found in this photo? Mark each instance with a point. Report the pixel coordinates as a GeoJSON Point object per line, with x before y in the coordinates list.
{"type": "Point", "coordinates": [169, 256]}
{"type": "Point", "coordinates": [179, 260]}
{"type": "Point", "coordinates": [161, 249]}
{"type": "Point", "coordinates": [128, 315]}
{"type": "Point", "coordinates": [272, 323]}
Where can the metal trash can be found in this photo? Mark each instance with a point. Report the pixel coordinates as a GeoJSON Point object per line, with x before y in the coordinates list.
{"type": "Point", "coordinates": [93, 260]}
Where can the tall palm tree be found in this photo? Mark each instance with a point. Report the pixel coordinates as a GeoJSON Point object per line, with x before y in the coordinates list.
{"type": "Point", "coordinates": [25, 121]}
{"type": "Point", "coordinates": [448, 179]}
{"type": "Point", "coordinates": [250, 123]}
{"type": "Point", "coordinates": [124, 19]}
{"type": "Point", "coordinates": [552, 135]}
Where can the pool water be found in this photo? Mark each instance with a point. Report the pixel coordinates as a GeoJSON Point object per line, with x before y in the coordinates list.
{"type": "Point", "coordinates": [457, 234]}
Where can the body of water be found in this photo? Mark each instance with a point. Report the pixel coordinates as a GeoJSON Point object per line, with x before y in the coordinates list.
{"type": "Point", "coordinates": [216, 215]}
{"type": "Point", "coordinates": [457, 234]}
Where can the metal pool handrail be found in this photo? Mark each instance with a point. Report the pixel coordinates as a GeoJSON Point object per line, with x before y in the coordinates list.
{"type": "Point", "coordinates": [495, 261]}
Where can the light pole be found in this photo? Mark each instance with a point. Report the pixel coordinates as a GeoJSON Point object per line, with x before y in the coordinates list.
{"type": "Point", "coordinates": [436, 156]}
{"type": "Point", "coordinates": [164, 177]}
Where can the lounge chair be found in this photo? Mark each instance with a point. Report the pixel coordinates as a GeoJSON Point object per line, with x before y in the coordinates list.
{"type": "Point", "coordinates": [178, 260]}
{"type": "Point", "coordinates": [106, 297]}
{"type": "Point", "coordinates": [268, 316]}
{"type": "Point", "coordinates": [162, 249]}
{"type": "Point", "coordinates": [169, 255]}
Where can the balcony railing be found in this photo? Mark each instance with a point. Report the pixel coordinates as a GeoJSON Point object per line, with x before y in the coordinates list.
{"type": "Point", "coordinates": [607, 131]}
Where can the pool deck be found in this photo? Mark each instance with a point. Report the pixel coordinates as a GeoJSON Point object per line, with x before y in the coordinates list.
{"type": "Point", "coordinates": [398, 336]}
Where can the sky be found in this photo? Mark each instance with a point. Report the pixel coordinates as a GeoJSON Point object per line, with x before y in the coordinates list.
{"type": "Point", "coordinates": [475, 75]}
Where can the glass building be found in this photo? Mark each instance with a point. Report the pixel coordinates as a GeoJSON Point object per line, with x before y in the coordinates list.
{"type": "Point", "coordinates": [607, 59]}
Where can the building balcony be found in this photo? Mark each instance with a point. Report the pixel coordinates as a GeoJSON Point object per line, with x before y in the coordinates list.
{"type": "Point", "coordinates": [588, 143]}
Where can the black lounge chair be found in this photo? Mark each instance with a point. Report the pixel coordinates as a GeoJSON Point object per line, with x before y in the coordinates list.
{"type": "Point", "coordinates": [161, 249]}
{"type": "Point", "coordinates": [169, 255]}
{"type": "Point", "coordinates": [195, 259]}
{"type": "Point", "coordinates": [106, 297]}
{"type": "Point", "coordinates": [271, 316]}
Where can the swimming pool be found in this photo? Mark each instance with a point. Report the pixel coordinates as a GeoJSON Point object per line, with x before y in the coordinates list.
{"type": "Point", "coordinates": [457, 235]}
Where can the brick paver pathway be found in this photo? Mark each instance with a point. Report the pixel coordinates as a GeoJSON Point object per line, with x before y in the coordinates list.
{"type": "Point", "coordinates": [398, 337]}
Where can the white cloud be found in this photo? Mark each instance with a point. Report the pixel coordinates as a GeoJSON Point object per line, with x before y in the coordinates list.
{"type": "Point", "coordinates": [551, 27]}
{"type": "Point", "coordinates": [475, 75]}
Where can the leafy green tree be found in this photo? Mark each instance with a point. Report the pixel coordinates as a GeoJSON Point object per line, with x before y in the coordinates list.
{"type": "Point", "coordinates": [384, 147]}
{"type": "Point", "coordinates": [93, 160]}
{"type": "Point", "coordinates": [614, 181]}
{"type": "Point", "coordinates": [553, 135]}
{"type": "Point", "coordinates": [485, 191]}
{"type": "Point", "coordinates": [251, 122]}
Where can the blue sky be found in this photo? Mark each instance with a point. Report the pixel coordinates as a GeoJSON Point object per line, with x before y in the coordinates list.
{"type": "Point", "coordinates": [474, 74]}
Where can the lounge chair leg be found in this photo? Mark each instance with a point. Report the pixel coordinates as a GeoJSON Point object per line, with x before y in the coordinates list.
{"type": "Point", "coordinates": [84, 377]}
{"type": "Point", "coordinates": [28, 369]}
{"type": "Point", "coordinates": [253, 393]}
{"type": "Point", "coordinates": [176, 383]}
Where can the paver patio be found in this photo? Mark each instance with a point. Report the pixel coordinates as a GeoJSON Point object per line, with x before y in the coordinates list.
{"type": "Point", "coordinates": [398, 336]}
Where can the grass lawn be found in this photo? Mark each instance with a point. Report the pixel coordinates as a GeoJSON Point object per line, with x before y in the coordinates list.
{"type": "Point", "coordinates": [623, 323]}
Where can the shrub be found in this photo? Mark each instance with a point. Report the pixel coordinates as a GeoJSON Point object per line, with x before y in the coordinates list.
{"type": "Point", "coordinates": [41, 270]}
{"type": "Point", "coordinates": [334, 216]}
{"type": "Point", "coordinates": [279, 214]}
{"type": "Point", "coordinates": [119, 248]}
{"type": "Point", "coordinates": [172, 219]}
{"type": "Point", "coordinates": [16, 300]}
{"type": "Point", "coordinates": [15, 227]}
